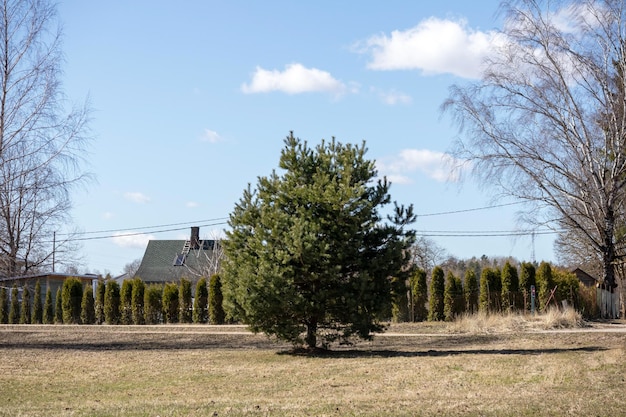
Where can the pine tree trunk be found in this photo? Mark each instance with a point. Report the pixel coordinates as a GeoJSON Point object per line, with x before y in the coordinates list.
{"type": "Point", "coordinates": [311, 333]}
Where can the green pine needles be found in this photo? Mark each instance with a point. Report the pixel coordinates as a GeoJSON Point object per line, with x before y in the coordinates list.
{"type": "Point", "coordinates": [309, 255]}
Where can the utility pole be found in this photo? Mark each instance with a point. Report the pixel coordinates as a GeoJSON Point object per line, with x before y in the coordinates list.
{"type": "Point", "coordinates": [532, 255]}
{"type": "Point", "coordinates": [54, 248]}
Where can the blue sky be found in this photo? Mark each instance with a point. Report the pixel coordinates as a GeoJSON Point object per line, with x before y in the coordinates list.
{"type": "Point", "coordinates": [192, 101]}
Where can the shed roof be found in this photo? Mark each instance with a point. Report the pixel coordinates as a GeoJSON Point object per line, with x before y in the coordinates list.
{"type": "Point", "coordinates": [585, 278]}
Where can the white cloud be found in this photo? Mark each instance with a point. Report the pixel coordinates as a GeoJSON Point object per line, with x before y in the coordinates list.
{"type": "Point", "coordinates": [398, 179]}
{"type": "Point", "coordinates": [436, 165]}
{"type": "Point", "coordinates": [393, 97]}
{"type": "Point", "coordinates": [434, 46]}
{"type": "Point", "coordinates": [295, 79]}
{"type": "Point", "coordinates": [137, 197]}
{"type": "Point", "coordinates": [192, 204]}
{"type": "Point", "coordinates": [211, 136]}
{"type": "Point", "coordinates": [573, 17]}
{"type": "Point", "coordinates": [107, 215]}
{"type": "Point", "coordinates": [132, 240]}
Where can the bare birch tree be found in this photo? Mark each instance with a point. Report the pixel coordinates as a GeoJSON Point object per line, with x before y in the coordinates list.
{"type": "Point", "coordinates": [547, 124]}
{"type": "Point", "coordinates": [41, 144]}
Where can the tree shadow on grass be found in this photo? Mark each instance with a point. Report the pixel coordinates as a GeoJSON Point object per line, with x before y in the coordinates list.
{"type": "Point", "coordinates": [387, 353]}
{"type": "Point", "coordinates": [139, 343]}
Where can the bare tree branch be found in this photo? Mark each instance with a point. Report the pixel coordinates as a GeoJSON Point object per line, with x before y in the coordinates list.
{"type": "Point", "coordinates": [547, 122]}
{"type": "Point", "coordinates": [41, 146]}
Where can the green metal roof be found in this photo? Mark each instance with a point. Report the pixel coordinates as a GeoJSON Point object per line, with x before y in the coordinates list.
{"type": "Point", "coordinates": [159, 261]}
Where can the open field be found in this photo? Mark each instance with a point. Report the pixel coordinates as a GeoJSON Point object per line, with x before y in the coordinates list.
{"type": "Point", "coordinates": [427, 369]}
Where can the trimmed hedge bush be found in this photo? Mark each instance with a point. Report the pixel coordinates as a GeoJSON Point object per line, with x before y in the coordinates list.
{"type": "Point", "coordinates": [153, 304]}
{"type": "Point", "coordinates": [216, 301]}
{"type": "Point", "coordinates": [452, 297]}
{"type": "Point", "coordinates": [470, 291]}
{"type": "Point", "coordinates": [399, 300]}
{"type": "Point", "coordinates": [14, 310]}
{"type": "Point", "coordinates": [437, 289]}
{"type": "Point", "coordinates": [4, 306]}
{"type": "Point", "coordinates": [419, 291]}
{"type": "Point", "coordinates": [25, 310]}
{"type": "Point", "coordinates": [99, 301]}
{"type": "Point", "coordinates": [545, 284]}
{"type": "Point", "coordinates": [526, 281]}
{"type": "Point", "coordinates": [48, 308]}
{"type": "Point", "coordinates": [185, 306]}
{"type": "Point", "coordinates": [170, 303]}
{"type": "Point", "coordinates": [58, 307]}
{"type": "Point", "coordinates": [137, 303]}
{"type": "Point", "coordinates": [112, 302]}
{"type": "Point", "coordinates": [126, 302]}
{"type": "Point", "coordinates": [87, 310]}
{"type": "Point", "coordinates": [37, 317]}
{"type": "Point", "coordinates": [201, 302]}
{"type": "Point", "coordinates": [72, 297]}
{"type": "Point", "coordinates": [490, 290]}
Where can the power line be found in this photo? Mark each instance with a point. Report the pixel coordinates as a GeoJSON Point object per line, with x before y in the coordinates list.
{"type": "Point", "coordinates": [146, 227]}
{"type": "Point", "coordinates": [444, 233]}
{"type": "Point", "coordinates": [467, 210]}
{"type": "Point", "coordinates": [138, 233]}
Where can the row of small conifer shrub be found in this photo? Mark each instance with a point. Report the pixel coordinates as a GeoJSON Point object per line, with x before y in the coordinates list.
{"type": "Point", "coordinates": [133, 302]}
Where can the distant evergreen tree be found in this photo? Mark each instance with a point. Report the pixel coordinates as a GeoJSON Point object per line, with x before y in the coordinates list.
{"type": "Point", "coordinates": [99, 301]}
{"type": "Point", "coordinates": [126, 302]}
{"type": "Point", "coordinates": [545, 284]}
{"type": "Point", "coordinates": [526, 281]}
{"type": "Point", "coordinates": [37, 317]}
{"type": "Point", "coordinates": [48, 308]}
{"type": "Point", "coordinates": [490, 290]}
{"type": "Point", "coordinates": [170, 302]}
{"type": "Point", "coordinates": [437, 289]}
{"type": "Point", "coordinates": [510, 288]}
{"type": "Point", "coordinates": [153, 304]}
{"type": "Point", "coordinates": [470, 290]}
{"type": "Point", "coordinates": [568, 286]}
{"type": "Point", "coordinates": [139, 289]}
{"type": "Point", "coordinates": [419, 290]}
{"type": "Point", "coordinates": [201, 302]}
{"type": "Point", "coordinates": [216, 301]}
{"type": "Point", "coordinates": [453, 297]}
{"type": "Point", "coordinates": [14, 312]}
{"type": "Point", "coordinates": [26, 308]}
{"type": "Point", "coordinates": [399, 300]}
{"type": "Point", "coordinates": [72, 297]}
{"type": "Point", "coordinates": [112, 302]}
{"type": "Point", "coordinates": [185, 306]}
{"type": "Point", "coordinates": [4, 306]}
{"type": "Point", "coordinates": [87, 308]}
{"type": "Point", "coordinates": [58, 307]}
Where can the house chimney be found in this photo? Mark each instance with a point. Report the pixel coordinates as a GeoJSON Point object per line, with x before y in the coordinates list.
{"type": "Point", "coordinates": [195, 237]}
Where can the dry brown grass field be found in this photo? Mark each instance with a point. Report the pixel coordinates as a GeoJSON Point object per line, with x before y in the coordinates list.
{"type": "Point", "coordinates": [475, 367]}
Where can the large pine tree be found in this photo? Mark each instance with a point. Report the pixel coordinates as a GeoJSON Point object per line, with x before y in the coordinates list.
{"type": "Point", "coordinates": [309, 250]}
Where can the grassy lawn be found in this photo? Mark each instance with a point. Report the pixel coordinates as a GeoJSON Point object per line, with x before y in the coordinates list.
{"type": "Point", "coordinates": [225, 371]}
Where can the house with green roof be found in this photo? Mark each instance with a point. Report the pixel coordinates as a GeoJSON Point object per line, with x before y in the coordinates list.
{"type": "Point", "coordinates": [170, 260]}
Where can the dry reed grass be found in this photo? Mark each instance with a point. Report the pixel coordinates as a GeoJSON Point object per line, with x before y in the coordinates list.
{"type": "Point", "coordinates": [482, 322]}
